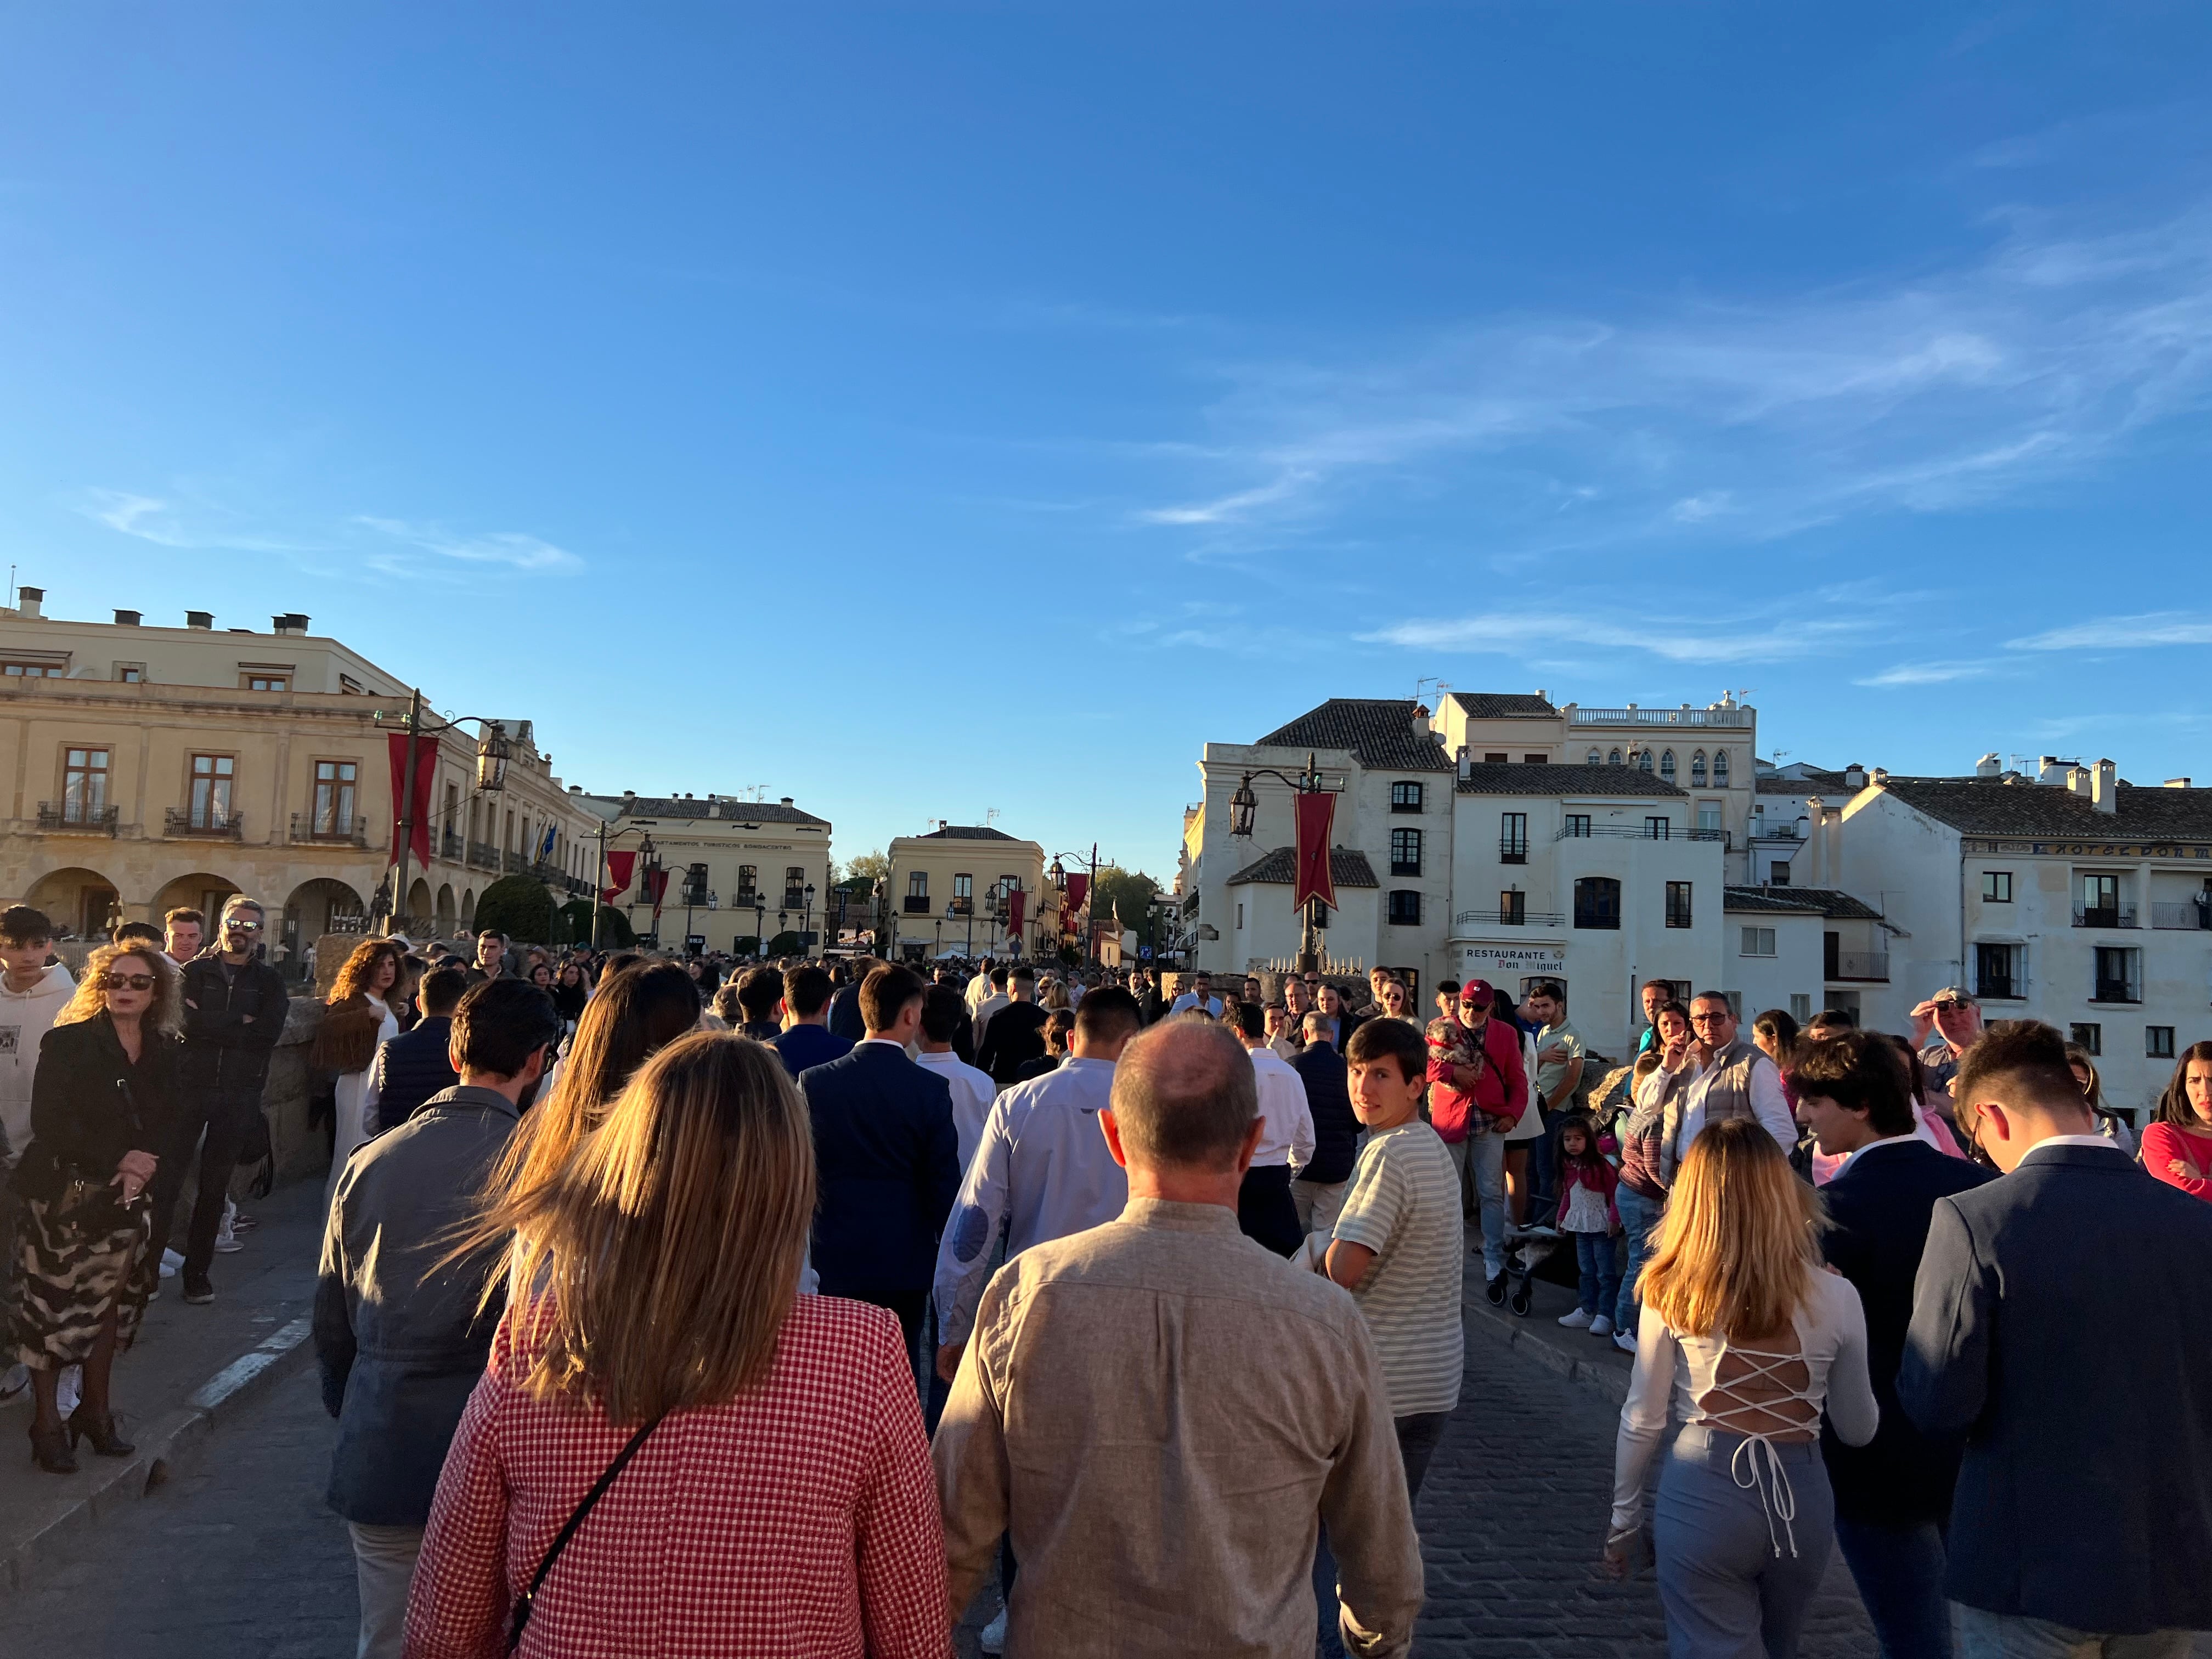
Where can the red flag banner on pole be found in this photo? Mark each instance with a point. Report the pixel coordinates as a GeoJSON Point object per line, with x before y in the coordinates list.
{"type": "Point", "coordinates": [1317, 819]}
{"type": "Point", "coordinates": [1078, 889]}
{"type": "Point", "coordinates": [426, 781]}
{"type": "Point", "coordinates": [1015, 901]}
{"type": "Point", "coordinates": [656, 885]}
{"type": "Point", "coordinates": [619, 868]}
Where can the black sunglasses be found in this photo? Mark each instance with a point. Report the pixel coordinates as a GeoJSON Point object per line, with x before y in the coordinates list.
{"type": "Point", "coordinates": [128, 982]}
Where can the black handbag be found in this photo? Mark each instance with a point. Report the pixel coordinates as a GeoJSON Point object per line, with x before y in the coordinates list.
{"type": "Point", "coordinates": [528, 1599]}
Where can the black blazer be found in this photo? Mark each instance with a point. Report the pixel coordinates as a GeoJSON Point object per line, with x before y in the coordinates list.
{"type": "Point", "coordinates": [2062, 1319]}
{"type": "Point", "coordinates": [90, 1105]}
{"type": "Point", "coordinates": [1878, 1211]}
{"type": "Point", "coordinates": [412, 1067]}
{"type": "Point", "coordinates": [1336, 1126]}
{"type": "Point", "coordinates": [845, 1019]}
{"type": "Point", "coordinates": [887, 1163]}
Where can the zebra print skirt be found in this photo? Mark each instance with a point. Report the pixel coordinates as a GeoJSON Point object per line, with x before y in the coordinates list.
{"type": "Point", "coordinates": [70, 1275]}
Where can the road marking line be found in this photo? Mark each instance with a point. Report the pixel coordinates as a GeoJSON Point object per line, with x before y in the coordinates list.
{"type": "Point", "coordinates": [240, 1371]}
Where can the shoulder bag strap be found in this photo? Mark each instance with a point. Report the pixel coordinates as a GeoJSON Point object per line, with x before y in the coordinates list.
{"type": "Point", "coordinates": [528, 1598]}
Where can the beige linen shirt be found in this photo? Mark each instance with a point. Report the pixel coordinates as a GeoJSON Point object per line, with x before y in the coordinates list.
{"type": "Point", "coordinates": [1161, 1412]}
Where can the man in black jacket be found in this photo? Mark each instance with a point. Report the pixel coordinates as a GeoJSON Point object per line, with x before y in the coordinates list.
{"type": "Point", "coordinates": [1892, 1494]}
{"type": "Point", "coordinates": [2061, 1322]}
{"type": "Point", "coordinates": [234, 1008]}
{"type": "Point", "coordinates": [415, 1065]}
{"type": "Point", "coordinates": [1319, 1189]}
{"type": "Point", "coordinates": [1014, 1035]}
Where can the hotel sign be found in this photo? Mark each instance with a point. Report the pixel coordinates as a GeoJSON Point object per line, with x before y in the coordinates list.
{"type": "Point", "coordinates": [2089, 849]}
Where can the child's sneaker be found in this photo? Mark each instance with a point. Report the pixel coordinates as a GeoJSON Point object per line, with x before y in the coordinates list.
{"type": "Point", "coordinates": [1575, 1320]}
{"type": "Point", "coordinates": [172, 1264]}
{"type": "Point", "coordinates": [1601, 1325]}
{"type": "Point", "coordinates": [1625, 1340]}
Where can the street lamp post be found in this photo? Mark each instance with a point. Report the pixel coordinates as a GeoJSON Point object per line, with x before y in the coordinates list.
{"type": "Point", "coordinates": [760, 929]}
{"type": "Point", "coordinates": [807, 917]}
{"type": "Point", "coordinates": [1059, 875]}
{"type": "Point", "coordinates": [493, 752]}
{"type": "Point", "coordinates": [1244, 807]}
{"type": "Point", "coordinates": [646, 849]}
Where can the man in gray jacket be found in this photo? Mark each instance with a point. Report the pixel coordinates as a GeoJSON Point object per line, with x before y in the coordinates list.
{"type": "Point", "coordinates": [401, 1347]}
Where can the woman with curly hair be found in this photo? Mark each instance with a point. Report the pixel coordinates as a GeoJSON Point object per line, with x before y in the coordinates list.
{"type": "Point", "coordinates": [357, 1021]}
{"type": "Point", "coordinates": [103, 1103]}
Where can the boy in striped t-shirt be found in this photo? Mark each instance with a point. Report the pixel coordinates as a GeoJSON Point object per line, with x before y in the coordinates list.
{"type": "Point", "coordinates": [1400, 1241]}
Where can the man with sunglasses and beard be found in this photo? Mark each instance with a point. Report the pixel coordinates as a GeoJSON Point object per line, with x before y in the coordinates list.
{"type": "Point", "coordinates": [234, 1007]}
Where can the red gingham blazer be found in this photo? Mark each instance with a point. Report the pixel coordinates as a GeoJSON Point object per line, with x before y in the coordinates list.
{"type": "Point", "coordinates": [799, 1519]}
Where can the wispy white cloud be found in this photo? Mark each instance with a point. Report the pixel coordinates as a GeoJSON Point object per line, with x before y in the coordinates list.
{"type": "Point", "coordinates": [501, 547]}
{"type": "Point", "coordinates": [1927, 673]}
{"type": "Point", "coordinates": [1521, 631]}
{"type": "Point", "coordinates": [187, 525]}
{"type": "Point", "coordinates": [2120, 633]}
{"type": "Point", "coordinates": [395, 546]}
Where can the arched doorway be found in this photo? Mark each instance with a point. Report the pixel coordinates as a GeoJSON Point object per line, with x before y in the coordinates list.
{"type": "Point", "coordinates": [445, 910]}
{"type": "Point", "coordinates": [201, 891]}
{"type": "Point", "coordinates": [318, 907]}
{"type": "Point", "coordinates": [468, 909]}
{"type": "Point", "coordinates": [79, 902]}
{"type": "Point", "coordinates": [418, 905]}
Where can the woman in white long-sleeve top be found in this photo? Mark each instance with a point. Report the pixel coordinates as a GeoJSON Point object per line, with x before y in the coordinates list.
{"type": "Point", "coordinates": [1749, 1338]}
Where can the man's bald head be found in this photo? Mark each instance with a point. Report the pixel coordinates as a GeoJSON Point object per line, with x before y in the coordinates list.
{"type": "Point", "coordinates": [1184, 1094]}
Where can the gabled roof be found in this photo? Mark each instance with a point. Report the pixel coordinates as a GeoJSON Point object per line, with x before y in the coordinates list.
{"type": "Point", "coordinates": [1990, 807]}
{"type": "Point", "coordinates": [1502, 705]}
{"type": "Point", "coordinates": [1815, 782]}
{"type": "Point", "coordinates": [1514, 778]}
{"type": "Point", "coordinates": [1830, 901]}
{"type": "Point", "coordinates": [1346, 868]}
{"type": "Point", "coordinates": [1768, 901]}
{"type": "Point", "coordinates": [967, 832]}
{"type": "Point", "coordinates": [685, 807]}
{"type": "Point", "coordinates": [1379, 731]}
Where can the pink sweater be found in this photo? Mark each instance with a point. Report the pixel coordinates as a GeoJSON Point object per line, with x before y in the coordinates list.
{"type": "Point", "coordinates": [2165, 1144]}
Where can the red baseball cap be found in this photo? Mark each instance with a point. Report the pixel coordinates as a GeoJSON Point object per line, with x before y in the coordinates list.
{"type": "Point", "coordinates": [1476, 990]}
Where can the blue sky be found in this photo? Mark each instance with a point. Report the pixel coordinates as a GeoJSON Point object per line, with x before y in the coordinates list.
{"type": "Point", "coordinates": [920, 409]}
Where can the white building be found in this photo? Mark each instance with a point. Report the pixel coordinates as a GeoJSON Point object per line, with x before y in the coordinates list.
{"type": "Point", "coordinates": [1802, 950]}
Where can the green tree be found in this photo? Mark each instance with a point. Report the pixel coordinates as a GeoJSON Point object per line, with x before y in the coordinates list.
{"type": "Point", "coordinates": [521, 906]}
{"type": "Point", "coordinates": [866, 868]}
{"type": "Point", "coordinates": [785, 944]}
{"type": "Point", "coordinates": [1127, 893]}
{"type": "Point", "coordinates": [576, 924]}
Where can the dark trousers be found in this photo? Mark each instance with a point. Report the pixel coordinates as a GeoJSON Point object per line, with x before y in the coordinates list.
{"type": "Point", "coordinates": [1418, 1435]}
{"type": "Point", "coordinates": [1900, 1572]}
{"type": "Point", "coordinates": [225, 1118]}
{"type": "Point", "coordinates": [1266, 1211]}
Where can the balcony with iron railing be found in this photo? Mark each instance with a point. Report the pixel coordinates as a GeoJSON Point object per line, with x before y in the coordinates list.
{"type": "Point", "coordinates": [915, 904]}
{"type": "Point", "coordinates": [1739, 719]}
{"type": "Point", "coordinates": [1637, 832]}
{"type": "Point", "coordinates": [72, 817]}
{"type": "Point", "coordinates": [2105, 915]}
{"type": "Point", "coordinates": [513, 863]}
{"type": "Point", "coordinates": [964, 907]}
{"type": "Point", "coordinates": [1992, 987]}
{"type": "Point", "coordinates": [202, 823]}
{"type": "Point", "coordinates": [1870, 967]}
{"type": "Point", "coordinates": [482, 855]}
{"type": "Point", "coordinates": [343, 830]}
{"type": "Point", "coordinates": [2190, 915]}
{"type": "Point", "coordinates": [2116, 990]}
{"type": "Point", "coordinates": [449, 846]}
{"type": "Point", "coordinates": [1509, 919]}
{"type": "Point", "coordinates": [1513, 849]}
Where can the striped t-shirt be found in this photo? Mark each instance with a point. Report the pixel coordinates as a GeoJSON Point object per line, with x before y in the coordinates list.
{"type": "Point", "coordinates": [1403, 1204]}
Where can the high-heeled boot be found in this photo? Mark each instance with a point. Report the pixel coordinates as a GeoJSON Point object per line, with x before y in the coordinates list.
{"type": "Point", "coordinates": [50, 1450]}
{"type": "Point", "coordinates": [99, 1429]}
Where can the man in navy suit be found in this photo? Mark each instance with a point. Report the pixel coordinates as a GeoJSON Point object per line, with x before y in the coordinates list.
{"type": "Point", "coordinates": [1892, 1494]}
{"type": "Point", "coordinates": [2061, 1321]}
{"type": "Point", "coordinates": [808, 1040]}
{"type": "Point", "coordinates": [886, 1155]}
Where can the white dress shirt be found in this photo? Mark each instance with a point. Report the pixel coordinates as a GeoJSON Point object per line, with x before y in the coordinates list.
{"type": "Point", "coordinates": [1188, 1000]}
{"type": "Point", "coordinates": [1768, 1105]}
{"type": "Point", "coordinates": [972, 1094]}
{"type": "Point", "coordinates": [1041, 1171]}
{"type": "Point", "coordinates": [989, 1006]}
{"type": "Point", "coordinates": [2069, 1140]}
{"type": "Point", "coordinates": [1288, 1136]}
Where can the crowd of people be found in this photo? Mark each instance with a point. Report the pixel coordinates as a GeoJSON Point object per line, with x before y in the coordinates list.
{"type": "Point", "coordinates": [690, 1307]}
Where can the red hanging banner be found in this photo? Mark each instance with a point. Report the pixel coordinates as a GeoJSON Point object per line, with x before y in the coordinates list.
{"type": "Point", "coordinates": [656, 885]}
{"type": "Point", "coordinates": [1078, 889]}
{"type": "Point", "coordinates": [619, 866]}
{"type": "Point", "coordinates": [1015, 901]}
{"type": "Point", "coordinates": [426, 779]}
{"type": "Point", "coordinates": [1317, 819]}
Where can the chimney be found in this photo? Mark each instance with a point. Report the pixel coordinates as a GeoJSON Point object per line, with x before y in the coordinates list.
{"type": "Point", "coordinates": [290, 623]}
{"type": "Point", "coordinates": [200, 619]}
{"type": "Point", "coordinates": [1854, 776]}
{"type": "Point", "coordinates": [1420, 720]}
{"type": "Point", "coordinates": [2077, 780]}
{"type": "Point", "coordinates": [2105, 786]}
{"type": "Point", "coordinates": [27, 600]}
{"type": "Point", "coordinates": [1989, 766]}
{"type": "Point", "coordinates": [1879, 776]}
{"type": "Point", "coordinates": [1466, 764]}
{"type": "Point", "coordinates": [129, 618]}
{"type": "Point", "coordinates": [786, 800]}
{"type": "Point", "coordinates": [1542, 695]}
{"type": "Point", "coordinates": [2177, 783]}
{"type": "Point", "coordinates": [2048, 770]}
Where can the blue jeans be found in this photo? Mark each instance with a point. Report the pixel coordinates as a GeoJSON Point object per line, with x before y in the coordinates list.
{"type": "Point", "coordinates": [1638, 1215]}
{"type": "Point", "coordinates": [1985, 1635]}
{"type": "Point", "coordinates": [1900, 1572]}
{"type": "Point", "coordinates": [1480, 1161]}
{"type": "Point", "coordinates": [1601, 1272]}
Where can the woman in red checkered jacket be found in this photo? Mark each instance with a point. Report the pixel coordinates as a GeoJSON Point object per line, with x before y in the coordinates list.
{"type": "Point", "coordinates": [771, 1491]}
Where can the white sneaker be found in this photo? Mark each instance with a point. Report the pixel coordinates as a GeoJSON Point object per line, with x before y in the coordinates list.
{"type": "Point", "coordinates": [172, 1264]}
{"type": "Point", "coordinates": [1601, 1325]}
{"type": "Point", "coordinates": [993, 1639]}
{"type": "Point", "coordinates": [68, 1389]}
{"type": "Point", "coordinates": [1575, 1320]}
{"type": "Point", "coordinates": [226, 1243]}
{"type": "Point", "coordinates": [1625, 1340]}
{"type": "Point", "coordinates": [17, 1379]}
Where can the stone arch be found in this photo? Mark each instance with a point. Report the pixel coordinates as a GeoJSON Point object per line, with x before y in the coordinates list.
{"type": "Point", "coordinates": [1667, 766]}
{"type": "Point", "coordinates": [1720, 768]}
{"type": "Point", "coordinates": [445, 912]}
{"type": "Point", "coordinates": [201, 890]}
{"type": "Point", "coordinates": [419, 911]}
{"type": "Point", "coordinates": [1616, 758]}
{"type": "Point", "coordinates": [468, 909]}
{"type": "Point", "coordinates": [1698, 770]}
{"type": "Point", "coordinates": [321, 906]}
{"type": "Point", "coordinates": [77, 901]}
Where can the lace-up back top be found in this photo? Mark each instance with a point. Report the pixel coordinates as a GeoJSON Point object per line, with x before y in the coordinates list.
{"type": "Point", "coordinates": [1772, 1391]}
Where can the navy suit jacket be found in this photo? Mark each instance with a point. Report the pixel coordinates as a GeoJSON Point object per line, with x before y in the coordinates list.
{"type": "Point", "coordinates": [2062, 1319]}
{"type": "Point", "coordinates": [1321, 1067]}
{"type": "Point", "coordinates": [845, 1019]}
{"type": "Point", "coordinates": [1878, 1212]}
{"type": "Point", "coordinates": [803, 1046]}
{"type": "Point", "coordinates": [887, 1160]}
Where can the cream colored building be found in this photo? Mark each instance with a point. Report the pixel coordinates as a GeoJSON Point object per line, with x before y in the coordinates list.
{"type": "Point", "coordinates": [738, 870]}
{"type": "Point", "coordinates": [948, 892]}
{"type": "Point", "coordinates": [153, 767]}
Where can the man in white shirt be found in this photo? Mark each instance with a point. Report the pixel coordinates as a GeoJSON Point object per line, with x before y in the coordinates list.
{"type": "Point", "coordinates": [1720, 1077]}
{"type": "Point", "coordinates": [994, 997]}
{"type": "Point", "coordinates": [1265, 1209]}
{"type": "Point", "coordinates": [979, 986]}
{"type": "Point", "coordinates": [972, 1091]}
{"type": "Point", "coordinates": [1197, 999]}
{"type": "Point", "coordinates": [1041, 1171]}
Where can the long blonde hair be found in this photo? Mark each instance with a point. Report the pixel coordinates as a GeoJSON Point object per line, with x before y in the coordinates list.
{"type": "Point", "coordinates": [1738, 1247]}
{"type": "Point", "coordinates": [165, 1014]}
{"type": "Point", "coordinates": [661, 1263]}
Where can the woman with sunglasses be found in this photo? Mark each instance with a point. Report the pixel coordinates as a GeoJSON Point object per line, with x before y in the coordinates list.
{"type": "Point", "coordinates": [102, 1100]}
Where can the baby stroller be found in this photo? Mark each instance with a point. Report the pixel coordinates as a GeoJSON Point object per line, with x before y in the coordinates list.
{"type": "Point", "coordinates": [1527, 1249]}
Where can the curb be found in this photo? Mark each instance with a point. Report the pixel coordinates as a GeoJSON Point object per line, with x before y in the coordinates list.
{"type": "Point", "coordinates": [1607, 1382]}
{"type": "Point", "coordinates": [166, 1445]}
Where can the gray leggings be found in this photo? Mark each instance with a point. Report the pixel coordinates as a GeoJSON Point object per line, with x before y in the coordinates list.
{"type": "Point", "coordinates": [1727, 1594]}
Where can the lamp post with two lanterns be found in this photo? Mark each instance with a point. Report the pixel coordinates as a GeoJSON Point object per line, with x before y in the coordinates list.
{"type": "Point", "coordinates": [493, 752]}
{"type": "Point", "coordinates": [1243, 808]}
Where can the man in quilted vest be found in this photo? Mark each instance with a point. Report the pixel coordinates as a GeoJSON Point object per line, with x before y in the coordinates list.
{"type": "Point", "coordinates": [1720, 1077]}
